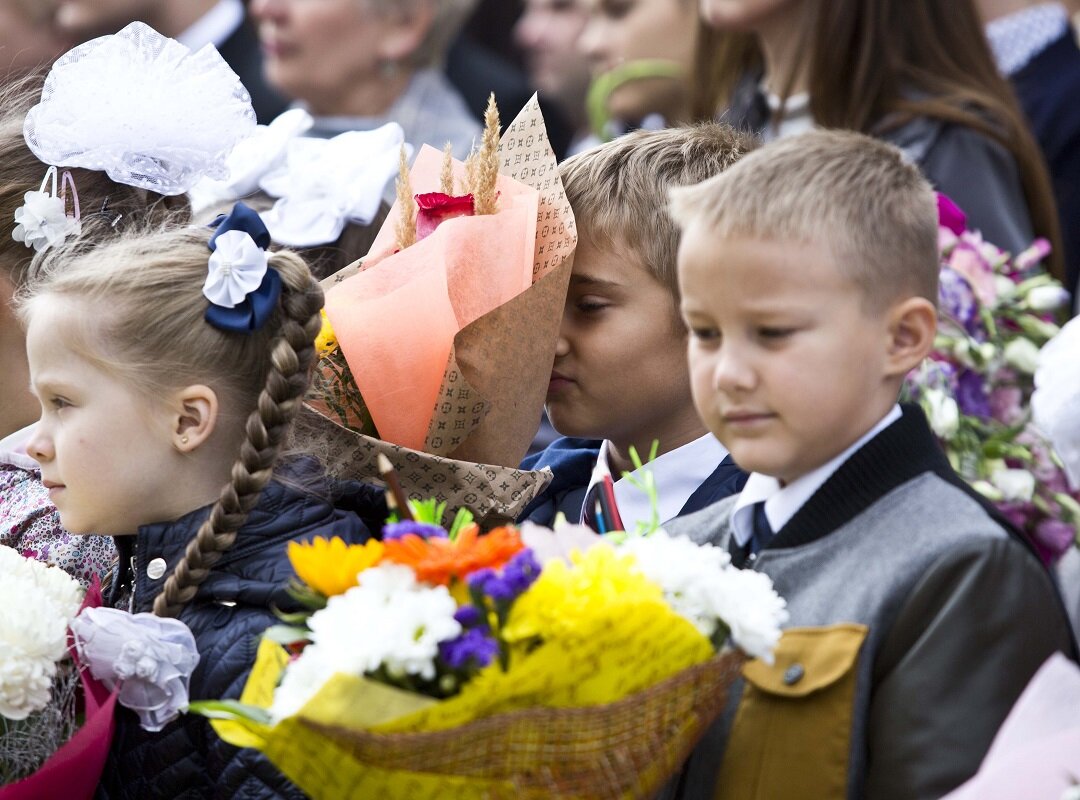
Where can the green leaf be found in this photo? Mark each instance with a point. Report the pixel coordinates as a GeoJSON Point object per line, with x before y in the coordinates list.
{"type": "Point", "coordinates": [287, 634]}
{"type": "Point", "coordinates": [231, 710]}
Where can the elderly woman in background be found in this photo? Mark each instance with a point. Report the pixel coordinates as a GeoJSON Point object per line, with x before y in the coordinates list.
{"type": "Point", "coordinates": [358, 64]}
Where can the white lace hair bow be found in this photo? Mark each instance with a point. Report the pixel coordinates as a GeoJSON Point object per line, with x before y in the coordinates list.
{"type": "Point", "coordinates": [252, 158]}
{"type": "Point", "coordinates": [1055, 404]}
{"type": "Point", "coordinates": [325, 183]}
{"type": "Point", "coordinates": [142, 108]}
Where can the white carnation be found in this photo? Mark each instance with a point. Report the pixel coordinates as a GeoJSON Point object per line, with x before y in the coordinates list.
{"type": "Point", "coordinates": [388, 620]}
{"type": "Point", "coordinates": [37, 603]}
{"type": "Point", "coordinates": [700, 585]}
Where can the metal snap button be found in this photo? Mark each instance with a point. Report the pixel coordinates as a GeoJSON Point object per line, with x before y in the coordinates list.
{"type": "Point", "coordinates": [794, 674]}
{"type": "Point", "coordinates": [155, 569]}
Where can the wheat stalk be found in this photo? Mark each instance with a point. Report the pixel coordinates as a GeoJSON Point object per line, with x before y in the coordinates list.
{"type": "Point", "coordinates": [406, 223]}
{"type": "Point", "coordinates": [486, 169]}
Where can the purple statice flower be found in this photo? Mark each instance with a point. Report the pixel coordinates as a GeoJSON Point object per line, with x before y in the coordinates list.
{"type": "Point", "coordinates": [517, 576]}
{"type": "Point", "coordinates": [472, 649]}
{"type": "Point", "coordinates": [396, 530]}
{"type": "Point", "coordinates": [971, 395]}
{"type": "Point", "coordinates": [522, 570]}
{"type": "Point", "coordinates": [957, 300]}
{"type": "Point", "coordinates": [1052, 538]}
{"type": "Point", "coordinates": [469, 617]}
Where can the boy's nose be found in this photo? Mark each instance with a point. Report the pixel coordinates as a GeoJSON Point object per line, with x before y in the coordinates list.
{"type": "Point", "coordinates": [731, 372]}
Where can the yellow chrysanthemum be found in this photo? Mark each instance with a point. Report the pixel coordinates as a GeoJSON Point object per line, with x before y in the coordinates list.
{"type": "Point", "coordinates": [565, 600]}
{"type": "Point", "coordinates": [326, 342]}
{"type": "Point", "coordinates": [331, 567]}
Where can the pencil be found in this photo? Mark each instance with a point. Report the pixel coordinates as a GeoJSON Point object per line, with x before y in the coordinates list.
{"type": "Point", "coordinates": [395, 497]}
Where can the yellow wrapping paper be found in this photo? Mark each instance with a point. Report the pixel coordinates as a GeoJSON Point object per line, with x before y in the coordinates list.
{"type": "Point", "coordinates": [632, 646]}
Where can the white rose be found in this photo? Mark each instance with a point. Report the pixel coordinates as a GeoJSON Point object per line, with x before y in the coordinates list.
{"type": "Point", "coordinates": [943, 412]}
{"type": "Point", "coordinates": [1016, 485]}
{"type": "Point", "coordinates": [1023, 355]}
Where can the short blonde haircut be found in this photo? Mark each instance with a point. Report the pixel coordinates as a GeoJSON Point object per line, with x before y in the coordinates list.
{"type": "Point", "coordinates": [619, 190]}
{"type": "Point", "coordinates": [855, 195]}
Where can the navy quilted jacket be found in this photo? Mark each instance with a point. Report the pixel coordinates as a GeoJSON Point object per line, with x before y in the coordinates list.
{"type": "Point", "coordinates": [227, 616]}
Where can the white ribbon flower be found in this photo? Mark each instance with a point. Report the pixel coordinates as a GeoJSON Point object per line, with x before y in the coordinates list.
{"type": "Point", "coordinates": [1055, 404]}
{"type": "Point", "coordinates": [42, 221]}
{"type": "Point", "coordinates": [150, 658]}
{"type": "Point", "coordinates": [252, 158]}
{"type": "Point", "coordinates": [237, 267]}
{"type": "Point", "coordinates": [325, 183]}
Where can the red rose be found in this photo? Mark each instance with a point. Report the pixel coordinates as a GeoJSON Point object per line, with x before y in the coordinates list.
{"type": "Point", "coordinates": [434, 208]}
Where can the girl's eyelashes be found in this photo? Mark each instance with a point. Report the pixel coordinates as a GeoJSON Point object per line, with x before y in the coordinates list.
{"type": "Point", "coordinates": [704, 334]}
{"type": "Point", "coordinates": [58, 403]}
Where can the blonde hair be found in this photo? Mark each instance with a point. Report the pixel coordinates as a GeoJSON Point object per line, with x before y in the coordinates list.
{"type": "Point", "coordinates": [147, 328]}
{"type": "Point", "coordinates": [856, 195]}
{"type": "Point", "coordinates": [618, 191]}
{"type": "Point", "coordinates": [107, 207]}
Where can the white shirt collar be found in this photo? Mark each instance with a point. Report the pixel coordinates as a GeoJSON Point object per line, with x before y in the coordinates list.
{"type": "Point", "coordinates": [1018, 37]}
{"type": "Point", "coordinates": [215, 26]}
{"type": "Point", "coordinates": [782, 503]}
{"type": "Point", "coordinates": [678, 474]}
{"type": "Point", "coordinates": [13, 449]}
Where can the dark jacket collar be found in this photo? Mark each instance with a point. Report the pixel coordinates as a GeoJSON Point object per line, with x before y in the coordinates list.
{"type": "Point", "coordinates": [898, 454]}
{"type": "Point", "coordinates": [297, 504]}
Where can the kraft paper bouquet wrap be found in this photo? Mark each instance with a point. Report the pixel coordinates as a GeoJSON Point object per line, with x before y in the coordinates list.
{"type": "Point", "coordinates": [518, 663]}
{"type": "Point", "coordinates": [445, 332]}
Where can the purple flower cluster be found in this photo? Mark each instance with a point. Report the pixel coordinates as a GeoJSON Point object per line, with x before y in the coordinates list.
{"type": "Point", "coordinates": [473, 649]}
{"type": "Point", "coordinates": [971, 395]}
{"type": "Point", "coordinates": [957, 300]}
{"type": "Point", "coordinates": [396, 530]}
{"type": "Point", "coordinates": [517, 576]}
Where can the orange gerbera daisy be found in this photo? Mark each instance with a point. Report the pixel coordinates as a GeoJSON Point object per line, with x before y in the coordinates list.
{"type": "Point", "coordinates": [437, 561]}
{"type": "Point", "coordinates": [330, 566]}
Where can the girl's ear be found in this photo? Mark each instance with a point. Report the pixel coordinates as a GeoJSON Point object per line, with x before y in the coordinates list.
{"type": "Point", "coordinates": [912, 329]}
{"type": "Point", "coordinates": [193, 417]}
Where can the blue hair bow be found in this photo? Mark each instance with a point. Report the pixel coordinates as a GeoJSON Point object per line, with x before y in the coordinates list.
{"type": "Point", "coordinates": [242, 287]}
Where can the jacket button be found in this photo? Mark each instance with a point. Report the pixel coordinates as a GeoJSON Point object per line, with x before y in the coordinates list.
{"type": "Point", "coordinates": [155, 569]}
{"type": "Point", "coordinates": [794, 674]}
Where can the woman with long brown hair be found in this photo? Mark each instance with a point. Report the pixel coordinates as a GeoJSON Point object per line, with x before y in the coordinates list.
{"type": "Point", "coordinates": [917, 73]}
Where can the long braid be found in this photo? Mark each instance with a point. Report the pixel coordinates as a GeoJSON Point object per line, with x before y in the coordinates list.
{"type": "Point", "coordinates": [291, 357]}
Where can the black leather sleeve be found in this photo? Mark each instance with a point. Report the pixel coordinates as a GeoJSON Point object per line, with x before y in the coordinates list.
{"type": "Point", "coordinates": [965, 644]}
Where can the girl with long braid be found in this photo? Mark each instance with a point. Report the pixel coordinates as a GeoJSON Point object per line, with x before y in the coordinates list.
{"type": "Point", "coordinates": [169, 374]}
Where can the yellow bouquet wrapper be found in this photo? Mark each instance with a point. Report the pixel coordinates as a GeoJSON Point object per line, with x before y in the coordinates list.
{"type": "Point", "coordinates": [609, 714]}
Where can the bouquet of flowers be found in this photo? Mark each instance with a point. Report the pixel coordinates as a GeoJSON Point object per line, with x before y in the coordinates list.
{"type": "Point", "coordinates": [518, 663]}
{"type": "Point", "coordinates": [996, 311]}
{"type": "Point", "coordinates": [437, 346]}
{"type": "Point", "coordinates": [53, 738]}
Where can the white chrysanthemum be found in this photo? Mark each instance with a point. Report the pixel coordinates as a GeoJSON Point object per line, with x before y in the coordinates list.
{"type": "Point", "coordinates": [36, 605]}
{"type": "Point", "coordinates": [388, 620]}
{"type": "Point", "coordinates": [700, 585]}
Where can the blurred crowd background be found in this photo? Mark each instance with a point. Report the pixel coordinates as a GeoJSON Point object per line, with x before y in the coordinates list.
{"type": "Point", "coordinates": [980, 93]}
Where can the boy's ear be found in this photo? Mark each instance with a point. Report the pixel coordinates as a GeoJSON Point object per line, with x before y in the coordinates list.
{"type": "Point", "coordinates": [912, 328]}
{"type": "Point", "coordinates": [194, 413]}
